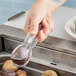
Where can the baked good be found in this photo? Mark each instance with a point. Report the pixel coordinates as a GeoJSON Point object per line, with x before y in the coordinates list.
{"type": "Point", "coordinates": [8, 73]}
{"type": "Point", "coordinates": [21, 73]}
{"type": "Point", "coordinates": [49, 73]}
{"type": "Point", "coordinates": [9, 65]}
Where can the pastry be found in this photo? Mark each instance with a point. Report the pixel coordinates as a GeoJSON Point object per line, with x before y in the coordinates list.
{"type": "Point", "coordinates": [21, 73]}
{"type": "Point", "coordinates": [49, 73]}
{"type": "Point", "coordinates": [9, 65]}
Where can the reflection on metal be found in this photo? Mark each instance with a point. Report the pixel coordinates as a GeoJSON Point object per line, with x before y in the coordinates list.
{"type": "Point", "coordinates": [54, 53]}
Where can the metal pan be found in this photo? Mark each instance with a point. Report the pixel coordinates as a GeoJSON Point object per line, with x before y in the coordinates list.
{"type": "Point", "coordinates": [30, 71]}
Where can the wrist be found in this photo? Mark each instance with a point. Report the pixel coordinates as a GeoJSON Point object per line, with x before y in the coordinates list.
{"type": "Point", "coordinates": [50, 5]}
{"type": "Point", "coordinates": [56, 3]}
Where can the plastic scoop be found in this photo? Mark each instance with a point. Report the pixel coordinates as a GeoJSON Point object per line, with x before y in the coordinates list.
{"type": "Point", "coordinates": [23, 52]}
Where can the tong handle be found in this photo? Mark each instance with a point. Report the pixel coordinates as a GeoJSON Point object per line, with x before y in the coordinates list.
{"type": "Point", "coordinates": [32, 39]}
{"type": "Point", "coordinates": [29, 38]}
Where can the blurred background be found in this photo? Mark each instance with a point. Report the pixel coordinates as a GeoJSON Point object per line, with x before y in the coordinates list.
{"type": "Point", "coordinates": [9, 8]}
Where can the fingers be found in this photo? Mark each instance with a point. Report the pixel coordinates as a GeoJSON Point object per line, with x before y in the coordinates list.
{"type": "Point", "coordinates": [41, 36]}
{"type": "Point", "coordinates": [47, 28]}
{"type": "Point", "coordinates": [32, 24]}
{"type": "Point", "coordinates": [26, 26]}
{"type": "Point", "coordinates": [51, 26]}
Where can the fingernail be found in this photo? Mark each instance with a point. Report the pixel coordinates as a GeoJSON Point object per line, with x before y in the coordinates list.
{"type": "Point", "coordinates": [45, 21]}
{"type": "Point", "coordinates": [32, 32]}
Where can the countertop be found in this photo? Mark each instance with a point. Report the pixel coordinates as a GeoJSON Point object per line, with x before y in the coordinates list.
{"type": "Point", "coordinates": [60, 17]}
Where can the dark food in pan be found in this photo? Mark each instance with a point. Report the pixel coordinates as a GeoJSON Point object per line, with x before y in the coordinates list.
{"type": "Point", "coordinates": [8, 73]}
{"type": "Point", "coordinates": [9, 69]}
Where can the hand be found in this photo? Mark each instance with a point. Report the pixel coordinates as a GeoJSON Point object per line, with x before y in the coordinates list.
{"type": "Point", "coordinates": [41, 13]}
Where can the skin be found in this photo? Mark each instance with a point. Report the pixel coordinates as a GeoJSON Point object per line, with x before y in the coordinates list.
{"type": "Point", "coordinates": [41, 14]}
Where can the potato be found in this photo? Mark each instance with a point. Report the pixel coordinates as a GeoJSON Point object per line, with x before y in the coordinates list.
{"type": "Point", "coordinates": [49, 73]}
{"type": "Point", "coordinates": [9, 65]}
{"type": "Point", "coordinates": [21, 73]}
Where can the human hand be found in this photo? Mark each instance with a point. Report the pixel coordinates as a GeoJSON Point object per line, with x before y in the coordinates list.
{"type": "Point", "coordinates": [41, 13]}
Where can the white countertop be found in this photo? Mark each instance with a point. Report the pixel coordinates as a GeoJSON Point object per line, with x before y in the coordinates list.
{"type": "Point", "coordinates": [60, 16]}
